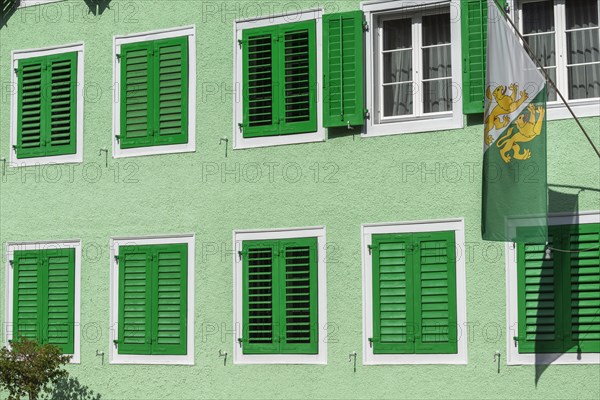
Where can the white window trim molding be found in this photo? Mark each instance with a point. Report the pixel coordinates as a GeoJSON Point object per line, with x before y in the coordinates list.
{"type": "Point", "coordinates": [11, 247]}
{"type": "Point", "coordinates": [240, 236]}
{"type": "Point", "coordinates": [30, 3]}
{"type": "Point", "coordinates": [367, 231]}
{"type": "Point", "coordinates": [17, 55]}
{"type": "Point", "coordinates": [556, 110]}
{"type": "Point", "coordinates": [512, 309]}
{"type": "Point", "coordinates": [437, 121]}
{"type": "Point", "coordinates": [239, 142]}
{"type": "Point", "coordinates": [114, 356]}
{"type": "Point", "coordinates": [118, 41]}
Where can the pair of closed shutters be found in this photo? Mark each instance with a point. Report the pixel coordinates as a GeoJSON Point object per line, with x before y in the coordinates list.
{"type": "Point", "coordinates": [414, 293]}
{"type": "Point", "coordinates": [153, 299]}
{"type": "Point", "coordinates": [44, 297]}
{"type": "Point", "coordinates": [280, 314]}
{"type": "Point", "coordinates": [559, 292]}
{"type": "Point", "coordinates": [154, 93]}
{"type": "Point", "coordinates": [47, 106]}
{"type": "Point", "coordinates": [280, 76]}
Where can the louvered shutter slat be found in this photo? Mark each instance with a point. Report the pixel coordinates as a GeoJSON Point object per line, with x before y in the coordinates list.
{"type": "Point", "coordinates": [62, 105]}
{"type": "Point", "coordinates": [297, 71]}
{"type": "Point", "coordinates": [298, 296]}
{"type": "Point", "coordinates": [392, 295]}
{"type": "Point", "coordinates": [30, 131]}
{"type": "Point", "coordinates": [435, 293]}
{"type": "Point", "coordinates": [259, 50]}
{"type": "Point", "coordinates": [343, 57]}
{"type": "Point", "coordinates": [584, 287]}
{"type": "Point", "coordinates": [27, 310]}
{"type": "Point", "coordinates": [171, 88]}
{"type": "Point", "coordinates": [136, 95]}
{"type": "Point", "coordinates": [60, 299]}
{"type": "Point", "coordinates": [260, 303]}
{"type": "Point", "coordinates": [135, 268]}
{"type": "Point", "coordinates": [170, 300]}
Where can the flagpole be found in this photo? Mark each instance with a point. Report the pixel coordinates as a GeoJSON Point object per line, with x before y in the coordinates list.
{"type": "Point", "coordinates": [535, 59]}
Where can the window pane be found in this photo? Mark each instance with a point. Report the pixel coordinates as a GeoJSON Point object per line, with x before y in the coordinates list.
{"type": "Point", "coordinates": [581, 13]}
{"type": "Point", "coordinates": [397, 66]}
{"type": "Point", "coordinates": [436, 29]}
{"type": "Point", "coordinates": [550, 89]}
{"type": "Point", "coordinates": [583, 46]}
{"type": "Point", "coordinates": [584, 81]}
{"type": "Point", "coordinates": [398, 99]}
{"type": "Point", "coordinates": [538, 17]}
{"type": "Point", "coordinates": [543, 48]}
{"type": "Point", "coordinates": [397, 34]}
{"type": "Point", "coordinates": [437, 62]}
{"type": "Point", "coordinates": [437, 95]}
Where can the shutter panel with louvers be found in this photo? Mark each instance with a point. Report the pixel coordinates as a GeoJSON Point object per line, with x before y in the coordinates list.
{"type": "Point", "coordinates": [260, 82]}
{"type": "Point", "coordinates": [343, 55]}
{"type": "Point", "coordinates": [169, 306]}
{"type": "Point", "coordinates": [137, 95]}
{"type": "Point", "coordinates": [260, 302]}
{"type": "Point", "coordinates": [59, 299]}
{"type": "Point", "coordinates": [393, 327]}
{"type": "Point", "coordinates": [474, 37]}
{"type": "Point", "coordinates": [297, 81]}
{"type": "Point", "coordinates": [135, 298]}
{"type": "Point", "coordinates": [30, 129]}
{"type": "Point", "coordinates": [27, 300]}
{"type": "Point", "coordinates": [61, 107]}
{"type": "Point", "coordinates": [435, 293]}
{"type": "Point", "coordinates": [171, 91]}
{"type": "Point", "coordinates": [298, 296]}
{"type": "Point", "coordinates": [540, 297]}
{"type": "Point", "coordinates": [582, 288]}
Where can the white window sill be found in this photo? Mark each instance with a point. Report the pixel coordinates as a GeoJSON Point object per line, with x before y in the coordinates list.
{"type": "Point", "coordinates": [440, 122]}
{"type": "Point", "coordinates": [582, 108]}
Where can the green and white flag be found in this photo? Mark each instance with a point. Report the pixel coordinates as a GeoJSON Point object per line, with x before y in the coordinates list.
{"type": "Point", "coordinates": [515, 194]}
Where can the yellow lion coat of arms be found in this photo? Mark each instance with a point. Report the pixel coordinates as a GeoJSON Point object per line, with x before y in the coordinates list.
{"type": "Point", "coordinates": [505, 105]}
{"type": "Point", "coordinates": [527, 129]}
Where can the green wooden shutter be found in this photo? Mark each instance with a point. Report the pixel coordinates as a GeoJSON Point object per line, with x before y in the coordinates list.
{"type": "Point", "coordinates": [393, 319]}
{"type": "Point", "coordinates": [169, 294]}
{"type": "Point", "coordinates": [27, 297]}
{"type": "Point", "coordinates": [435, 293]}
{"type": "Point", "coordinates": [298, 296]}
{"type": "Point", "coordinates": [297, 78]}
{"type": "Point", "coordinates": [260, 297]}
{"type": "Point", "coordinates": [61, 105]}
{"type": "Point", "coordinates": [137, 95]}
{"type": "Point", "coordinates": [30, 111]}
{"type": "Point", "coordinates": [59, 299]}
{"type": "Point", "coordinates": [135, 300]}
{"type": "Point", "coordinates": [343, 80]}
{"type": "Point", "coordinates": [540, 296]}
{"type": "Point", "coordinates": [171, 91]}
{"type": "Point", "coordinates": [260, 61]}
{"type": "Point", "coordinates": [474, 39]}
{"type": "Point", "coordinates": [582, 288]}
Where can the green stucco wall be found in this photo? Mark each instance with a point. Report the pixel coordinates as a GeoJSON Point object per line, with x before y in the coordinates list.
{"type": "Point", "coordinates": [360, 180]}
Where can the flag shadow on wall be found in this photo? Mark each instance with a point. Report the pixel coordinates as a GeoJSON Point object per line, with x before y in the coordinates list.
{"type": "Point", "coordinates": [7, 10]}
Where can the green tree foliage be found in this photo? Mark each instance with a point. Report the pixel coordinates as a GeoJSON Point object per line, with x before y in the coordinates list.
{"type": "Point", "coordinates": [28, 367]}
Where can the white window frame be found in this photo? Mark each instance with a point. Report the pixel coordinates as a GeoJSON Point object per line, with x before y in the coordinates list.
{"type": "Point", "coordinates": [367, 231]}
{"type": "Point", "coordinates": [11, 247]}
{"type": "Point", "coordinates": [556, 110]}
{"type": "Point", "coordinates": [512, 306]}
{"type": "Point", "coordinates": [30, 3]}
{"type": "Point", "coordinates": [239, 142]}
{"type": "Point", "coordinates": [118, 41]}
{"type": "Point", "coordinates": [276, 234]}
{"type": "Point", "coordinates": [114, 356]}
{"type": "Point", "coordinates": [374, 11]}
{"type": "Point", "coordinates": [17, 55]}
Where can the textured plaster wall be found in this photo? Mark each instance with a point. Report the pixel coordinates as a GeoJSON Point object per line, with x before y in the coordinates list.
{"type": "Point", "coordinates": [359, 181]}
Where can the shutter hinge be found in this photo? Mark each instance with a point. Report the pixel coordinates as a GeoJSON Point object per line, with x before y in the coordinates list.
{"type": "Point", "coordinates": [116, 259]}
{"type": "Point", "coordinates": [241, 126]}
{"type": "Point", "coordinates": [11, 263]}
{"type": "Point", "coordinates": [370, 252]}
{"type": "Point", "coordinates": [116, 343]}
{"type": "Point", "coordinates": [365, 26]}
{"type": "Point", "coordinates": [516, 340]}
{"type": "Point", "coordinates": [17, 71]}
{"type": "Point", "coordinates": [240, 42]}
{"type": "Point", "coordinates": [118, 55]}
{"type": "Point", "coordinates": [371, 342]}
{"type": "Point", "coordinates": [367, 114]}
{"type": "Point", "coordinates": [240, 254]}
{"type": "Point", "coordinates": [118, 137]}
{"type": "Point", "coordinates": [240, 341]}
{"type": "Point", "coordinates": [14, 147]}
{"type": "Point", "coordinates": [507, 8]}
